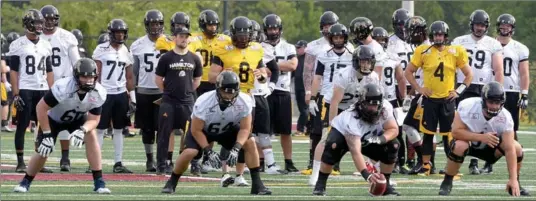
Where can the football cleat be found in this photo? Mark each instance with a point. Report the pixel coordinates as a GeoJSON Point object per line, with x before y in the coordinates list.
{"type": "Point", "coordinates": [473, 167]}
{"type": "Point", "coordinates": [65, 165]}
{"type": "Point", "coordinates": [425, 170]}
{"type": "Point", "coordinates": [445, 188]}
{"type": "Point", "coordinates": [240, 181]}
{"type": "Point", "coordinates": [21, 168]}
{"type": "Point", "coordinates": [274, 169]}
{"type": "Point", "coordinates": [119, 168]}
{"type": "Point", "coordinates": [150, 166]}
{"type": "Point", "coordinates": [23, 186]}
{"type": "Point", "coordinates": [195, 168]}
{"type": "Point", "coordinates": [46, 170]}
{"type": "Point", "coordinates": [523, 191]}
{"type": "Point", "coordinates": [261, 191]}
{"type": "Point", "coordinates": [335, 172]}
{"type": "Point", "coordinates": [226, 180]}
{"type": "Point", "coordinates": [307, 171]}
{"type": "Point", "coordinates": [319, 191]}
{"type": "Point", "coordinates": [168, 188]}
{"type": "Point", "coordinates": [290, 167]}
{"type": "Point", "coordinates": [390, 191]}
{"type": "Point", "coordinates": [488, 168]}
{"type": "Point", "coordinates": [103, 191]}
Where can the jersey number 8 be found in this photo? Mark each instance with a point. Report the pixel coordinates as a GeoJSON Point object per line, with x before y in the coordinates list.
{"type": "Point", "coordinates": [30, 65]}
{"type": "Point", "coordinates": [243, 72]}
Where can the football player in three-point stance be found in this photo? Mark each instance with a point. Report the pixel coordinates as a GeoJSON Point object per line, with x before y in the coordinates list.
{"type": "Point", "coordinates": [368, 128]}
{"type": "Point", "coordinates": [74, 104]}
{"type": "Point", "coordinates": [485, 57]}
{"type": "Point", "coordinates": [114, 67]}
{"type": "Point", "coordinates": [223, 115]}
{"type": "Point", "coordinates": [64, 56]}
{"type": "Point", "coordinates": [483, 129]}
{"type": "Point", "coordinates": [31, 76]}
{"type": "Point", "coordinates": [146, 58]}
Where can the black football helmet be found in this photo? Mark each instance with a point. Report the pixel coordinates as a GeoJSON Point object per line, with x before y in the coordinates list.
{"type": "Point", "coordinates": [328, 18]}
{"type": "Point", "coordinates": [256, 33]}
{"type": "Point", "coordinates": [208, 17]}
{"type": "Point", "coordinates": [381, 36]}
{"type": "Point", "coordinates": [479, 17]}
{"type": "Point", "coordinates": [85, 67]}
{"type": "Point", "coordinates": [301, 43]}
{"type": "Point", "coordinates": [78, 35]}
{"type": "Point", "coordinates": [33, 21]}
{"type": "Point", "coordinates": [272, 21]}
{"type": "Point", "coordinates": [439, 27]}
{"type": "Point", "coordinates": [157, 18]}
{"type": "Point", "coordinates": [241, 29]}
{"type": "Point", "coordinates": [400, 16]}
{"type": "Point", "coordinates": [103, 38]}
{"type": "Point", "coordinates": [416, 30]}
{"type": "Point", "coordinates": [361, 28]}
{"type": "Point", "coordinates": [370, 95]}
{"type": "Point", "coordinates": [179, 18]}
{"type": "Point", "coordinates": [493, 92]}
{"type": "Point", "coordinates": [117, 25]}
{"type": "Point", "coordinates": [12, 36]}
{"type": "Point", "coordinates": [52, 17]}
{"type": "Point", "coordinates": [338, 30]}
{"type": "Point", "coordinates": [227, 82]}
{"type": "Point", "coordinates": [506, 19]}
{"type": "Point", "coordinates": [364, 53]}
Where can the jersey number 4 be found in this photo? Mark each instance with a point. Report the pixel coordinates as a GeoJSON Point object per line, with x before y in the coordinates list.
{"type": "Point", "coordinates": [114, 64]}
{"type": "Point", "coordinates": [30, 65]}
{"type": "Point", "coordinates": [439, 72]}
{"type": "Point", "coordinates": [214, 128]}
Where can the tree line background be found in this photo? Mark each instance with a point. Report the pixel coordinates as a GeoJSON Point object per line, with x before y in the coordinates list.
{"type": "Point", "coordinates": [300, 18]}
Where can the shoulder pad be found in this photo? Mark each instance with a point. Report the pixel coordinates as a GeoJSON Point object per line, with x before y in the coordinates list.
{"type": "Point", "coordinates": [163, 43]}
{"type": "Point", "coordinates": [255, 46]}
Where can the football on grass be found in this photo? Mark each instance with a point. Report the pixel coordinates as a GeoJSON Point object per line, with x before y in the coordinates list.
{"type": "Point", "coordinates": [379, 187]}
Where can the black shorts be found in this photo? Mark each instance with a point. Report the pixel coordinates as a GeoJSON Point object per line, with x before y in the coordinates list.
{"type": "Point", "coordinates": [483, 151]}
{"type": "Point", "coordinates": [115, 109]}
{"type": "Point", "coordinates": [280, 104]}
{"type": "Point", "coordinates": [30, 98]}
{"type": "Point", "coordinates": [261, 116]}
{"type": "Point", "coordinates": [227, 140]}
{"type": "Point", "coordinates": [177, 115]}
{"type": "Point", "coordinates": [325, 120]}
{"type": "Point", "coordinates": [437, 110]}
{"type": "Point", "coordinates": [474, 90]}
{"type": "Point", "coordinates": [146, 111]}
{"type": "Point", "coordinates": [56, 128]}
{"type": "Point", "coordinates": [205, 87]}
{"type": "Point", "coordinates": [336, 147]}
{"type": "Point", "coordinates": [315, 122]}
{"type": "Point", "coordinates": [413, 118]}
{"type": "Point", "coordinates": [512, 98]}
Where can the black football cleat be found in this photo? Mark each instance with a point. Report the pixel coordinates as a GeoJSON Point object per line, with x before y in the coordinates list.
{"type": "Point", "coordinates": [168, 188]}
{"type": "Point", "coordinates": [65, 165]}
{"type": "Point", "coordinates": [523, 191]}
{"type": "Point", "coordinates": [473, 167]}
{"type": "Point", "coordinates": [119, 168]}
{"type": "Point", "coordinates": [261, 191]}
{"type": "Point", "coordinates": [150, 166]}
{"type": "Point", "coordinates": [21, 168]}
{"type": "Point", "coordinates": [487, 169]}
{"type": "Point", "coordinates": [291, 168]}
{"type": "Point", "coordinates": [390, 191]}
{"type": "Point", "coordinates": [319, 191]}
{"type": "Point", "coordinates": [46, 170]}
{"type": "Point", "coordinates": [445, 188]}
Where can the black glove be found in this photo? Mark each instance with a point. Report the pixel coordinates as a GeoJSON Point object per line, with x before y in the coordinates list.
{"type": "Point", "coordinates": [213, 157]}
{"type": "Point", "coordinates": [370, 139]}
{"type": "Point", "coordinates": [131, 109]}
{"type": "Point", "coordinates": [19, 103]}
{"type": "Point", "coordinates": [233, 155]}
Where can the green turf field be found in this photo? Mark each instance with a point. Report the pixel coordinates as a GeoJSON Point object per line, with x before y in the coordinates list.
{"type": "Point", "coordinates": [284, 187]}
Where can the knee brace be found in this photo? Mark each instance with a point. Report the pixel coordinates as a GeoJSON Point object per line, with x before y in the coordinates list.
{"type": "Point", "coordinates": [333, 151]}
{"type": "Point", "coordinates": [63, 135]}
{"type": "Point", "coordinates": [263, 140]}
{"type": "Point", "coordinates": [413, 135]}
{"type": "Point", "coordinates": [147, 136]}
{"type": "Point", "coordinates": [427, 144]}
{"type": "Point", "coordinates": [446, 144]}
{"type": "Point", "coordinates": [392, 152]}
{"type": "Point", "coordinates": [241, 156]}
{"type": "Point", "coordinates": [453, 157]}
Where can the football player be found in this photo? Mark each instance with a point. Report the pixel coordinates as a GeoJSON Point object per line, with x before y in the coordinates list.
{"type": "Point", "coordinates": [257, 32]}
{"type": "Point", "coordinates": [439, 63]}
{"type": "Point", "coordinates": [31, 76]}
{"type": "Point", "coordinates": [64, 56]}
{"type": "Point", "coordinates": [74, 104]}
{"type": "Point", "coordinates": [393, 72]}
{"type": "Point", "coordinates": [485, 60]}
{"type": "Point", "coordinates": [114, 67]}
{"type": "Point", "coordinates": [80, 37]}
{"type": "Point", "coordinates": [516, 71]}
{"type": "Point", "coordinates": [103, 38]}
{"type": "Point", "coordinates": [361, 34]}
{"type": "Point", "coordinates": [280, 99]}
{"type": "Point", "coordinates": [366, 129]}
{"type": "Point", "coordinates": [483, 129]}
{"type": "Point", "coordinates": [223, 115]}
{"type": "Point", "coordinates": [6, 86]}
{"type": "Point", "coordinates": [146, 58]}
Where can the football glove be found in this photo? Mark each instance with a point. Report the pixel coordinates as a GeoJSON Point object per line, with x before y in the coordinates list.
{"type": "Point", "coordinates": [47, 145]}
{"type": "Point", "coordinates": [313, 107]}
{"type": "Point", "coordinates": [233, 155]}
{"type": "Point", "coordinates": [370, 139]}
{"type": "Point", "coordinates": [406, 104]}
{"type": "Point", "coordinates": [19, 103]}
{"type": "Point", "coordinates": [523, 101]}
{"type": "Point", "coordinates": [77, 138]}
{"type": "Point", "coordinates": [213, 157]}
{"type": "Point", "coordinates": [131, 109]}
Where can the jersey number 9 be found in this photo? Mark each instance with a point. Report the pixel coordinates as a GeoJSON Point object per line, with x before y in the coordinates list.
{"type": "Point", "coordinates": [480, 56]}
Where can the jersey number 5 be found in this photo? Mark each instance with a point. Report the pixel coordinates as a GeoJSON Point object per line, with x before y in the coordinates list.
{"type": "Point", "coordinates": [439, 72]}
{"type": "Point", "coordinates": [30, 65]}
{"type": "Point", "coordinates": [214, 128]}
{"type": "Point", "coordinates": [243, 72]}
{"type": "Point", "coordinates": [114, 64]}
{"type": "Point", "coordinates": [150, 64]}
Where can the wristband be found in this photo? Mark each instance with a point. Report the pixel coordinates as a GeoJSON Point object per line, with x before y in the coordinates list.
{"type": "Point", "coordinates": [313, 98]}
{"type": "Point", "coordinates": [365, 174]}
{"type": "Point", "coordinates": [526, 92]}
{"type": "Point", "coordinates": [461, 88]}
{"type": "Point", "coordinates": [206, 149]}
{"type": "Point", "coordinates": [46, 132]}
{"type": "Point", "coordinates": [383, 140]}
{"type": "Point", "coordinates": [237, 145]}
{"type": "Point", "coordinates": [307, 92]}
{"type": "Point", "coordinates": [83, 129]}
{"type": "Point", "coordinates": [262, 78]}
{"type": "Point", "coordinates": [132, 96]}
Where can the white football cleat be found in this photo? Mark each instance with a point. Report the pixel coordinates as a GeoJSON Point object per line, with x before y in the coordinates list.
{"type": "Point", "coordinates": [240, 181]}
{"type": "Point", "coordinates": [20, 189]}
{"type": "Point", "coordinates": [274, 169]}
{"type": "Point", "coordinates": [226, 180]}
{"type": "Point", "coordinates": [103, 191]}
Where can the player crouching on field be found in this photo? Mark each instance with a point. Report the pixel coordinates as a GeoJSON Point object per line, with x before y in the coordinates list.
{"type": "Point", "coordinates": [483, 129]}
{"type": "Point", "coordinates": [66, 107]}
{"type": "Point", "coordinates": [223, 116]}
{"type": "Point", "coordinates": [367, 128]}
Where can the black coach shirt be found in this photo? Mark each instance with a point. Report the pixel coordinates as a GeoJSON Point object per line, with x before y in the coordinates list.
{"type": "Point", "coordinates": [178, 72]}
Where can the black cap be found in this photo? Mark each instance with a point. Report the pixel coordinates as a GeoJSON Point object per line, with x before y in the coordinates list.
{"type": "Point", "coordinates": [301, 43]}
{"type": "Point", "coordinates": [181, 30]}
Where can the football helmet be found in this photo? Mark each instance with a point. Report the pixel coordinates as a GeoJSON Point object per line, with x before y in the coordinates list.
{"type": "Point", "coordinates": [400, 16]}
{"type": "Point", "coordinates": [381, 36]}
{"type": "Point", "coordinates": [158, 18]}
{"type": "Point", "coordinates": [479, 17]}
{"type": "Point", "coordinates": [338, 30]}
{"type": "Point", "coordinates": [88, 68]}
{"type": "Point", "coordinates": [33, 21]}
{"type": "Point", "coordinates": [439, 27]}
{"type": "Point", "coordinates": [272, 21]}
{"type": "Point", "coordinates": [493, 92]}
{"type": "Point", "coordinates": [208, 17]}
{"type": "Point", "coordinates": [416, 30]}
{"type": "Point", "coordinates": [117, 25]}
{"type": "Point", "coordinates": [241, 29]}
{"type": "Point", "coordinates": [328, 18]}
{"type": "Point", "coordinates": [52, 17]}
{"type": "Point", "coordinates": [78, 35]}
{"type": "Point", "coordinates": [360, 28]}
{"type": "Point", "coordinates": [179, 18]}
{"type": "Point", "coordinates": [364, 59]}
{"type": "Point", "coordinates": [227, 88]}
{"type": "Point", "coordinates": [506, 19]}
{"type": "Point", "coordinates": [370, 103]}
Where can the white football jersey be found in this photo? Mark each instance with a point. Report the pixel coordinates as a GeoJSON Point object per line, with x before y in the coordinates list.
{"type": "Point", "coordinates": [471, 114]}
{"type": "Point", "coordinates": [480, 53]}
{"type": "Point", "coordinates": [514, 52]}
{"type": "Point", "coordinates": [379, 53]}
{"type": "Point", "coordinates": [402, 50]}
{"type": "Point", "coordinates": [62, 42]}
{"type": "Point", "coordinates": [32, 65]}
{"type": "Point", "coordinates": [216, 121]}
{"type": "Point", "coordinates": [332, 64]}
{"type": "Point", "coordinates": [70, 108]}
{"type": "Point", "coordinates": [347, 79]}
{"type": "Point", "coordinates": [320, 46]}
{"type": "Point", "coordinates": [262, 88]}
{"type": "Point", "coordinates": [388, 79]}
{"type": "Point", "coordinates": [144, 49]}
{"type": "Point", "coordinates": [349, 123]}
{"type": "Point", "coordinates": [114, 62]}
{"type": "Point", "coordinates": [283, 51]}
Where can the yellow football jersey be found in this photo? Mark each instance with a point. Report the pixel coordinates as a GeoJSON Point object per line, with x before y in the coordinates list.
{"type": "Point", "coordinates": [439, 67]}
{"type": "Point", "coordinates": [241, 61]}
{"type": "Point", "coordinates": [166, 44]}
{"type": "Point", "coordinates": [206, 50]}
